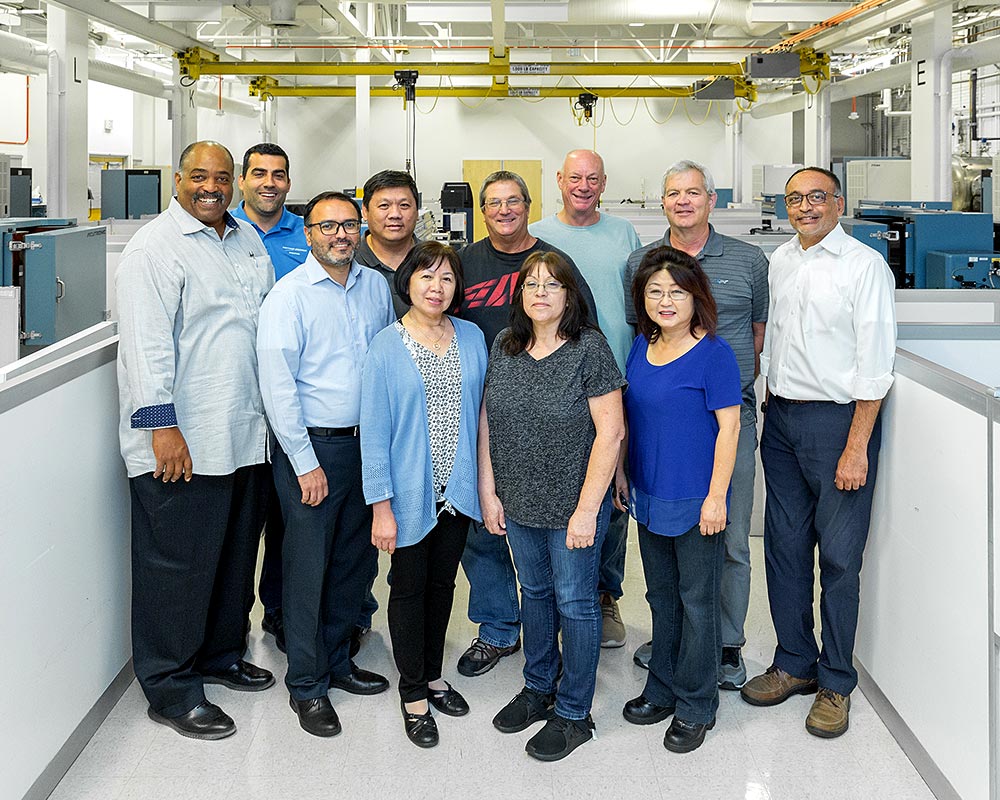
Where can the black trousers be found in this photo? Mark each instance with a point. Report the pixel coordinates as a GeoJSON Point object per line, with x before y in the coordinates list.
{"type": "Point", "coordinates": [326, 565]}
{"type": "Point", "coordinates": [420, 599]}
{"type": "Point", "coordinates": [269, 586]}
{"type": "Point", "coordinates": [194, 546]}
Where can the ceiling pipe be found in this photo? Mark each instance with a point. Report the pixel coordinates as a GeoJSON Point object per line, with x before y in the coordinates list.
{"type": "Point", "coordinates": [122, 19]}
{"type": "Point", "coordinates": [737, 13]}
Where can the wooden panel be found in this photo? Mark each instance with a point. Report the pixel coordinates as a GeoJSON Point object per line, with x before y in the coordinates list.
{"type": "Point", "coordinates": [474, 171]}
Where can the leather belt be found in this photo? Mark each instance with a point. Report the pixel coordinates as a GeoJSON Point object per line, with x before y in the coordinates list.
{"type": "Point", "coordinates": [352, 431]}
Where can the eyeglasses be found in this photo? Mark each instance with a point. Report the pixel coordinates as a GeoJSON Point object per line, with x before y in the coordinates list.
{"type": "Point", "coordinates": [677, 295]}
{"type": "Point", "coordinates": [331, 227]}
{"type": "Point", "coordinates": [816, 198]}
{"type": "Point", "coordinates": [550, 286]}
{"type": "Point", "coordinates": [513, 203]}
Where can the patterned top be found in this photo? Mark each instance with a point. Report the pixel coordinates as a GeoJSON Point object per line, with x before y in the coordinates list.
{"type": "Point", "coordinates": [442, 376]}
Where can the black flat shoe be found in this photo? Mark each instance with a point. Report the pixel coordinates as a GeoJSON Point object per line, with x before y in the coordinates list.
{"type": "Point", "coordinates": [316, 715]}
{"type": "Point", "coordinates": [421, 729]}
{"type": "Point", "coordinates": [274, 624]}
{"type": "Point", "coordinates": [448, 701]}
{"type": "Point", "coordinates": [683, 737]}
{"type": "Point", "coordinates": [639, 711]}
{"type": "Point", "coordinates": [204, 721]}
{"type": "Point", "coordinates": [241, 677]}
{"type": "Point", "coordinates": [360, 681]}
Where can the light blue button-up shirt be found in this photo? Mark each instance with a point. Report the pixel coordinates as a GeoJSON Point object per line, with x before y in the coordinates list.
{"type": "Point", "coordinates": [311, 346]}
{"type": "Point", "coordinates": [188, 302]}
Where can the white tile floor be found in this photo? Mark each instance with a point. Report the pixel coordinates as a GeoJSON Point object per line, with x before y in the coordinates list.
{"type": "Point", "coordinates": [753, 753]}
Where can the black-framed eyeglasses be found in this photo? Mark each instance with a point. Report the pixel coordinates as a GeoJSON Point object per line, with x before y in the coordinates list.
{"type": "Point", "coordinates": [331, 227]}
{"type": "Point", "coordinates": [816, 198]}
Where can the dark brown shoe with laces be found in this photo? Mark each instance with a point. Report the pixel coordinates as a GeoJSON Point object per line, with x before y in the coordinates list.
{"type": "Point", "coordinates": [775, 686]}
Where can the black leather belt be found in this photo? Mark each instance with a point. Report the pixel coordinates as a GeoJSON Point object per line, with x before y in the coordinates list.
{"type": "Point", "coordinates": [352, 431]}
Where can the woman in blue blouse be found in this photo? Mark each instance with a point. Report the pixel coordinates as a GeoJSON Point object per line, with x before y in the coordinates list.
{"type": "Point", "coordinates": [682, 406]}
{"type": "Point", "coordinates": [420, 398]}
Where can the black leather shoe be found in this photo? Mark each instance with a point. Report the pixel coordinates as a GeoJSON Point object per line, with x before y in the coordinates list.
{"type": "Point", "coordinates": [360, 681]}
{"type": "Point", "coordinates": [274, 624]}
{"type": "Point", "coordinates": [639, 711]}
{"type": "Point", "coordinates": [357, 634]}
{"type": "Point", "coordinates": [448, 701]}
{"type": "Point", "coordinates": [316, 715]}
{"type": "Point", "coordinates": [204, 721]}
{"type": "Point", "coordinates": [421, 729]}
{"type": "Point", "coordinates": [683, 737]}
{"type": "Point", "coordinates": [242, 677]}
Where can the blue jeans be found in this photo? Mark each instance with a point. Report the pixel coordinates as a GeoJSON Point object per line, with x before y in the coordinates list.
{"type": "Point", "coordinates": [800, 448]}
{"type": "Point", "coordinates": [492, 587]}
{"type": "Point", "coordinates": [736, 568]}
{"type": "Point", "coordinates": [612, 571]}
{"type": "Point", "coordinates": [559, 592]}
{"type": "Point", "coordinates": [682, 588]}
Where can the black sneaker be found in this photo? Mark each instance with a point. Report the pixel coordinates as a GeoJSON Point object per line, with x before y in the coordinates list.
{"type": "Point", "coordinates": [482, 657]}
{"type": "Point", "coordinates": [559, 738]}
{"type": "Point", "coordinates": [527, 708]}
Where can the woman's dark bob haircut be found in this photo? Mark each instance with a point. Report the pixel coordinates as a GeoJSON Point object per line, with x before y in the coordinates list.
{"type": "Point", "coordinates": [424, 256]}
{"type": "Point", "coordinates": [576, 315]}
{"type": "Point", "coordinates": [688, 275]}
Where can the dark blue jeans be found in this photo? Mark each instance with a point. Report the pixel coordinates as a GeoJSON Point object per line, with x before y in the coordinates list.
{"type": "Point", "coordinates": [612, 567]}
{"type": "Point", "coordinates": [492, 587]}
{"type": "Point", "coordinates": [683, 575]}
{"type": "Point", "coordinates": [559, 592]}
{"type": "Point", "coordinates": [800, 448]}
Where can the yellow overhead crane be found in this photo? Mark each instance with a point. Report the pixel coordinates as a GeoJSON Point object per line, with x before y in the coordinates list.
{"type": "Point", "coordinates": [196, 63]}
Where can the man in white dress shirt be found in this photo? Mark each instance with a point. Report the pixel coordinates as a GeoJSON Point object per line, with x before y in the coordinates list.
{"type": "Point", "coordinates": [828, 357]}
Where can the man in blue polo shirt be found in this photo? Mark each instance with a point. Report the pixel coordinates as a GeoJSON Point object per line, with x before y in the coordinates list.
{"type": "Point", "coordinates": [264, 183]}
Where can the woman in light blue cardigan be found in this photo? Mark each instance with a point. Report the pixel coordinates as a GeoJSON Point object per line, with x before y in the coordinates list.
{"type": "Point", "coordinates": [421, 393]}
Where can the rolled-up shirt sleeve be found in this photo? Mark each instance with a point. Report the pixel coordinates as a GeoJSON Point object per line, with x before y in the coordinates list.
{"type": "Point", "coordinates": [149, 297]}
{"type": "Point", "coordinates": [279, 345]}
{"type": "Point", "coordinates": [875, 330]}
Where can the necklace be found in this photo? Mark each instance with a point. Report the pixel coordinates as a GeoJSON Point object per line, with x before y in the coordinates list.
{"type": "Point", "coordinates": [436, 344]}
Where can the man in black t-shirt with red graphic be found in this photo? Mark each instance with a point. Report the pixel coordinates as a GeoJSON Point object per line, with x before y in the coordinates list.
{"type": "Point", "coordinates": [490, 268]}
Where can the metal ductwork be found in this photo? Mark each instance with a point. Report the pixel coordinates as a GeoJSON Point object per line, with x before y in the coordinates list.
{"type": "Point", "coordinates": [283, 14]}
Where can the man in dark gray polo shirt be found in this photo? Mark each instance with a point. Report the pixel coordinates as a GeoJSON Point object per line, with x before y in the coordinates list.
{"type": "Point", "coordinates": [737, 272]}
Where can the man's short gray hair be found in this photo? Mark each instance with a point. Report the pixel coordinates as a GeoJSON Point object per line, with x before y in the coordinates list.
{"type": "Point", "coordinates": [685, 166]}
{"type": "Point", "coordinates": [504, 175]}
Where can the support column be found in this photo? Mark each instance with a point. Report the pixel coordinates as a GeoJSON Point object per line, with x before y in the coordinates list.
{"type": "Point", "coordinates": [735, 134]}
{"type": "Point", "coordinates": [930, 117]}
{"type": "Point", "coordinates": [363, 103]}
{"type": "Point", "coordinates": [68, 151]}
{"type": "Point", "coordinates": [816, 151]}
{"type": "Point", "coordinates": [183, 113]}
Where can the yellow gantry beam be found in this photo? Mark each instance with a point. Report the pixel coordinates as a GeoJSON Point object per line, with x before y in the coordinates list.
{"type": "Point", "coordinates": [196, 63]}
{"type": "Point", "coordinates": [267, 87]}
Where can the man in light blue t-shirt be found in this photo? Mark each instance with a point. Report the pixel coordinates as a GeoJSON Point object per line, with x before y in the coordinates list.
{"type": "Point", "coordinates": [599, 244]}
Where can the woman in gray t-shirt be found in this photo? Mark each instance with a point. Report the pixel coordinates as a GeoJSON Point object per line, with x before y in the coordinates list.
{"type": "Point", "coordinates": [548, 443]}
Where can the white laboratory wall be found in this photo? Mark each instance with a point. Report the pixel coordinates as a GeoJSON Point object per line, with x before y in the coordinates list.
{"type": "Point", "coordinates": [319, 135]}
{"type": "Point", "coordinates": [109, 120]}
{"type": "Point", "coordinates": [12, 122]}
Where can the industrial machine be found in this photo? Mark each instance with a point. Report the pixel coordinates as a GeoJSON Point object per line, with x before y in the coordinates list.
{"type": "Point", "coordinates": [875, 179]}
{"type": "Point", "coordinates": [60, 273]}
{"type": "Point", "coordinates": [456, 212]}
{"type": "Point", "coordinates": [963, 270]}
{"type": "Point", "coordinates": [130, 193]}
{"type": "Point", "coordinates": [20, 192]}
{"type": "Point", "coordinates": [905, 235]}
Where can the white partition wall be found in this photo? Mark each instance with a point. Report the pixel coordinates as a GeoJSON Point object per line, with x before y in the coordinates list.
{"type": "Point", "coordinates": [64, 574]}
{"type": "Point", "coordinates": [927, 628]}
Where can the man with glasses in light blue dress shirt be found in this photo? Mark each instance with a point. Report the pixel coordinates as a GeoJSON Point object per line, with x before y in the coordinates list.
{"type": "Point", "coordinates": [315, 328]}
{"type": "Point", "coordinates": [600, 245]}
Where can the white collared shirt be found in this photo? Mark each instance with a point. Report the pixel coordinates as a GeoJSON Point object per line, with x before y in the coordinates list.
{"type": "Point", "coordinates": [831, 331]}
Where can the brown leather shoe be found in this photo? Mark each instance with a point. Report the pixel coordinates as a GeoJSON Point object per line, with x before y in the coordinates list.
{"type": "Point", "coordinates": [775, 686]}
{"type": "Point", "coordinates": [828, 717]}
